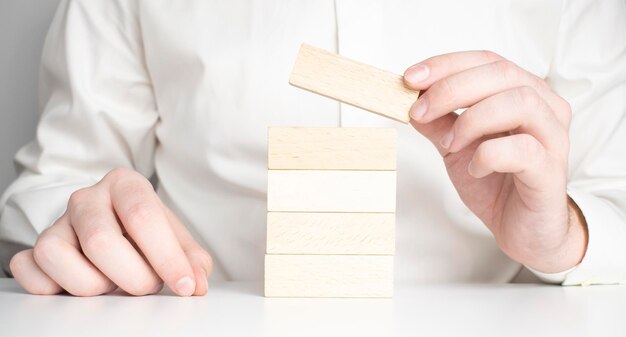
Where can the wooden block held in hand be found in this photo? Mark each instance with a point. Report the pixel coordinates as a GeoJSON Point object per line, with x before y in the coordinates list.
{"type": "Point", "coordinates": [331, 191]}
{"type": "Point", "coordinates": [328, 276]}
{"type": "Point", "coordinates": [331, 233]}
{"type": "Point", "coordinates": [301, 148]}
{"type": "Point", "coordinates": [352, 82]}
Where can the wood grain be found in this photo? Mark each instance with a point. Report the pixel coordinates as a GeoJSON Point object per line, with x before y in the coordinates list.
{"type": "Point", "coordinates": [328, 276]}
{"type": "Point", "coordinates": [352, 82]}
{"type": "Point", "coordinates": [331, 191]}
{"type": "Point", "coordinates": [301, 148]}
{"type": "Point", "coordinates": [331, 233]}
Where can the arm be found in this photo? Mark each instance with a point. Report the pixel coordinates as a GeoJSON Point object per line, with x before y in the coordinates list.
{"type": "Point", "coordinates": [94, 227]}
{"type": "Point", "coordinates": [589, 70]}
{"type": "Point", "coordinates": [98, 112]}
{"type": "Point", "coordinates": [508, 153]}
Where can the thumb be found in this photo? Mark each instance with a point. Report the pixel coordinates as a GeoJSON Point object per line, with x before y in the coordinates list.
{"type": "Point", "coordinates": [202, 265]}
{"type": "Point", "coordinates": [199, 259]}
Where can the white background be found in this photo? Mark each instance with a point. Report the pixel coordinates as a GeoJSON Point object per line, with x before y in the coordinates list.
{"type": "Point", "coordinates": [23, 27]}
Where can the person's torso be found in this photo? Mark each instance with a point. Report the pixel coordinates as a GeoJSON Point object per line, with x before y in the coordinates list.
{"type": "Point", "coordinates": [220, 72]}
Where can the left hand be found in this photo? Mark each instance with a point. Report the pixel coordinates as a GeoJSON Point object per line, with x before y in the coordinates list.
{"type": "Point", "coordinates": [506, 154]}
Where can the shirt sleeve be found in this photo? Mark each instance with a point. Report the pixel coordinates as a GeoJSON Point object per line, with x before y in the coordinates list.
{"type": "Point", "coordinates": [589, 70]}
{"type": "Point", "coordinates": [98, 113]}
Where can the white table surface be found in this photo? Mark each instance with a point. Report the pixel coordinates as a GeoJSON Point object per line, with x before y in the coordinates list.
{"type": "Point", "coordinates": [239, 309]}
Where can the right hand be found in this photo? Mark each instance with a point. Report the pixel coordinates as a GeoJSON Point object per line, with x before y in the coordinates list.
{"type": "Point", "coordinates": [116, 233]}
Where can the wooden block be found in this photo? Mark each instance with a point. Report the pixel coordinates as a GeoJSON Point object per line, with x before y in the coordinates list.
{"type": "Point", "coordinates": [331, 191]}
{"type": "Point", "coordinates": [299, 148]}
{"type": "Point", "coordinates": [352, 82]}
{"type": "Point", "coordinates": [328, 276]}
{"type": "Point", "coordinates": [331, 233]}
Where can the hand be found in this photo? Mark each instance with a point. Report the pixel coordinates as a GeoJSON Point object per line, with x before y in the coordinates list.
{"type": "Point", "coordinates": [506, 154]}
{"type": "Point", "coordinates": [116, 233]}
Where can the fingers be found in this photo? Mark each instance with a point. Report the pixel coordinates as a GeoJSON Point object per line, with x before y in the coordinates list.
{"type": "Point", "coordinates": [520, 154]}
{"type": "Point", "coordinates": [422, 75]}
{"type": "Point", "coordinates": [200, 260]}
{"type": "Point", "coordinates": [470, 86]}
{"type": "Point", "coordinates": [201, 264]}
{"type": "Point", "coordinates": [142, 216]}
{"type": "Point", "coordinates": [58, 255]}
{"type": "Point", "coordinates": [87, 252]}
{"type": "Point", "coordinates": [520, 109]}
{"type": "Point", "coordinates": [28, 275]}
{"type": "Point", "coordinates": [102, 241]}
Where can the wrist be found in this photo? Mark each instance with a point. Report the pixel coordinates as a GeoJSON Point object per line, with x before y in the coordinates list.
{"type": "Point", "coordinates": [572, 248]}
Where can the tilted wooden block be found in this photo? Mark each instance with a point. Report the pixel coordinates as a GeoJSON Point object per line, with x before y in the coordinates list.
{"type": "Point", "coordinates": [331, 191]}
{"type": "Point", "coordinates": [300, 148]}
{"type": "Point", "coordinates": [331, 233]}
{"type": "Point", "coordinates": [352, 82]}
{"type": "Point", "coordinates": [328, 276]}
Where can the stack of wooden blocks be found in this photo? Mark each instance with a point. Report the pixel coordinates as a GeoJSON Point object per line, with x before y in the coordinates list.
{"type": "Point", "coordinates": [331, 195]}
{"type": "Point", "coordinates": [331, 212]}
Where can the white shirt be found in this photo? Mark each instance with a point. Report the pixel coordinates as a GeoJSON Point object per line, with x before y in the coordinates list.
{"type": "Point", "coordinates": [188, 88]}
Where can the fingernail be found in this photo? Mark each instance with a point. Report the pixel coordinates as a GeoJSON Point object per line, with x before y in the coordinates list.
{"type": "Point", "coordinates": [185, 286]}
{"type": "Point", "coordinates": [447, 139]}
{"type": "Point", "coordinates": [417, 73]}
{"type": "Point", "coordinates": [418, 110]}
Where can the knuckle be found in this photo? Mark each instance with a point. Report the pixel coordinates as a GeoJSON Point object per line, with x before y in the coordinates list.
{"type": "Point", "coordinates": [491, 56]}
{"type": "Point", "coordinates": [445, 62]}
{"type": "Point", "coordinates": [565, 105]}
{"type": "Point", "coordinates": [566, 110]}
{"type": "Point", "coordinates": [130, 186]}
{"type": "Point", "coordinates": [46, 248]}
{"type": "Point", "coordinates": [507, 70]}
{"type": "Point", "coordinates": [530, 147]}
{"type": "Point", "coordinates": [446, 89]}
{"type": "Point", "coordinates": [138, 213]}
{"type": "Point", "coordinates": [127, 180]}
{"type": "Point", "coordinates": [79, 197]}
{"type": "Point", "coordinates": [539, 83]}
{"type": "Point", "coordinates": [528, 97]}
{"type": "Point", "coordinates": [125, 174]}
{"type": "Point", "coordinates": [96, 240]}
{"type": "Point", "coordinates": [119, 173]}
